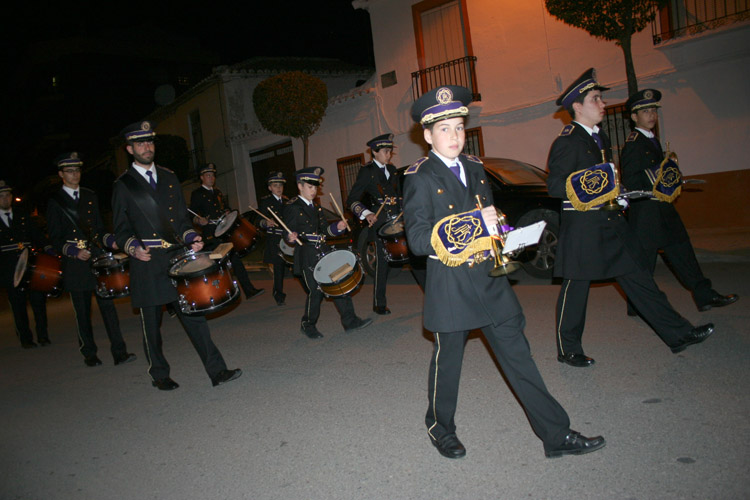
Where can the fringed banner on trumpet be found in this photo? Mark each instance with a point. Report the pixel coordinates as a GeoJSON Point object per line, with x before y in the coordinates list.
{"type": "Point", "coordinates": [457, 237]}
{"type": "Point", "coordinates": [592, 186]}
{"type": "Point", "coordinates": [668, 183]}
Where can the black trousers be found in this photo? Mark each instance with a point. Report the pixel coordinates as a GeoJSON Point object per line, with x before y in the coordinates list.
{"type": "Point", "coordinates": [82, 306]}
{"type": "Point", "coordinates": [238, 268]}
{"type": "Point", "coordinates": [381, 274]}
{"type": "Point", "coordinates": [315, 297]}
{"type": "Point", "coordinates": [682, 260]}
{"type": "Point", "coordinates": [197, 330]}
{"type": "Point", "coordinates": [279, 269]}
{"type": "Point", "coordinates": [38, 300]}
{"type": "Point", "coordinates": [508, 343]}
{"type": "Point", "coordinates": [640, 288]}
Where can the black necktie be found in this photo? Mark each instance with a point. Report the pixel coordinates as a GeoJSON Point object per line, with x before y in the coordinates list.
{"type": "Point", "coordinates": [151, 179]}
{"type": "Point", "coordinates": [456, 169]}
{"type": "Point", "coordinates": [8, 218]}
{"type": "Point", "coordinates": [655, 141]}
{"type": "Point", "coordinates": [75, 196]}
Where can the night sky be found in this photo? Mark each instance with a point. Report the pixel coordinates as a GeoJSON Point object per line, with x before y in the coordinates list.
{"type": "Point", "coordinates": [233, 31]}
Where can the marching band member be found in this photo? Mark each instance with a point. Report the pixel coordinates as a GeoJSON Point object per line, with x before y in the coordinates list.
{"type": "Point", "coordinates": [307, 223]}
{"type": "Point", "coordinates": [210, 203]}
{"type": "Point", "coordinates": [19, 231]}
{"type": "Point", "coordinates": [76, 229]}
{"type": "Point", "coordinates": [655, 220]}
{"type": "Point", "coordinates": [597, 244]}
{"type": "Point", "coordinates": [150, 217]}
{"type": "Point", "coordinates": [443, 222]}
{"type": "Point", "coordinates": [275, 200]}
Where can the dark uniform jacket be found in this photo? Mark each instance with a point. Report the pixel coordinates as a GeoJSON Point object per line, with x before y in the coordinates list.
{"type": "Point", "coordinates": [210, 204]}
{"type": "Point", "coordinates": [456, 298]}
{"type": "Point", "coordinates": [88, 231]}
{"type": "Point", "coordinates": [655, 221]}
{"type": "Point", "coordinates": [311, 227]}
{"type": "Point", "coordinates": [371, 181]}
{"type": "Point", "coordinates": [23, 232]}
{"type": "Point", "coordinates": [150, 284]}
{"type": "Point", "coordinates": [273, 234]}
{"type": "Point", "coordinates": [596, 244]}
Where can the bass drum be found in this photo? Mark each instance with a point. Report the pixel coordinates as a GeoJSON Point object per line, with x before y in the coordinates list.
{"type": "Point", "coordinates": [40, 272]}
{"type": "Point", "coordinates": [204, 285]}
{"type": "Point", "coordinates": [338, 273]}
{"type": "Point", "coordinates": [112, 273]}
{"type": "Point", "coordinates": [233, 227]}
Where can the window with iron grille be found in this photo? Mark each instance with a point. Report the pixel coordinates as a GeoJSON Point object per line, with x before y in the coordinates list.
{"type": "Point", "coordinates": [474, 144]}
{"type": "Point", "coordinates": [348, 168]}
{"type": "Point", "coordinates": [616, 125]}
{"type": "Point", "coordinates": [688, 17]}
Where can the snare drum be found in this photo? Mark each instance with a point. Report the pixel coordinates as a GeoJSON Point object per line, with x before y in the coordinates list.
{"type": "Point", "coordinates": [112, 275]}
{"type": "Point", "coordinates": [204, 285]}
{"type": "Point", "coordinates": [239, 231]}
{"type": "Point", "coordinates": [286, 252]}
{"type": "Point", "coordinates": [394, 240]}
{"type": "Point", "coordinates": [338, 273]}
{"type": "Point", "coordinates": [38, 271]}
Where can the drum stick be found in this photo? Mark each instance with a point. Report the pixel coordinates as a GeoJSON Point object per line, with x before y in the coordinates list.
{"type": "Point", "coordinates": [340, 212]}
{"type": "Point", "coordinates": [282, 224]}
{"type": "Point", "coordinates": [259, 213]}
{"type": "Point", "coordinates": [399, 216]}
{"type": "Point", "coordinates": [381, 207]}
{"type": "Point", "coordinates": [194, 213]}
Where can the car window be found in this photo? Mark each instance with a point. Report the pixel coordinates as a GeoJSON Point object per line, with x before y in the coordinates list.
{"type": "Point", "coordinates": [515, 172]}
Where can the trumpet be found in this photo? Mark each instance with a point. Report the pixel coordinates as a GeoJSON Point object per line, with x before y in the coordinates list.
{"type": "Point", "coordinates": [503, 264]}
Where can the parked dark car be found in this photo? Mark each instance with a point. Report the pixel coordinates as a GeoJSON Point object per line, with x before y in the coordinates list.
{"type": "Point", "coordinates": [520, 191]}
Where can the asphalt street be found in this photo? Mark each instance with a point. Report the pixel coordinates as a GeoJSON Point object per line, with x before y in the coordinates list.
{"type": "Point", "coordinates": [343, 417]}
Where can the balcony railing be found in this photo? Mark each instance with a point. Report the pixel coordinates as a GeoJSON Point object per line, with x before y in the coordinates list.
{"type": "Point", "coordinates": [688, 17]}
{"type": "Point", "coordinates": [457, 72]}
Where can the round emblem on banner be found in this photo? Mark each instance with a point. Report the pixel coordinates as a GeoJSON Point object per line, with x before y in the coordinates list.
{"type": "Point", "coordinates": [444, 95]}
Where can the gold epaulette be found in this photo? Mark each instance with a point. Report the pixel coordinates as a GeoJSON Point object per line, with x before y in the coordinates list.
{"type": "Point", "coordinates": [289, 202]}
{"type": "Point", "coordinates": [632, 137]}
{"type": "Point", "coordinates": [475, 159]}
{"type": "Point", "coordinates": [415, 166]}
{"type": "Point", "coordinates": [567, 130]}
{"type": "Point", "coordinates": [165, 168]}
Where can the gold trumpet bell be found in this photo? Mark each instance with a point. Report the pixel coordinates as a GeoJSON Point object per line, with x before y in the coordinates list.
{"type": "Point", "coordinates": [504, 266]}
{"type": "Point", "coordinates": [611, 205]}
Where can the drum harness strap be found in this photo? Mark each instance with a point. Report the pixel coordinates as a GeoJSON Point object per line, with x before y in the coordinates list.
{"type": "Point", "coordinates": [72, 216]}
{"type": "Point", "coordinates": [147, 204]}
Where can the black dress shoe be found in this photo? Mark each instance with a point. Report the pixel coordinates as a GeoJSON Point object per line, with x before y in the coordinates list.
{"type": "Point", "coordinates": [311, 332]}
{"type": "Point", "coordinates": [254, 293]}
{"type": "Point", "coordinates": [165, 384]}
{"type": "Point", "coordinates": [225, 376]}
{"type": "Point", "coordinates": [125, 358]}
{"type": "Point", "coordinates": [719, 301]}
{"type": "Point", "coordinates": [28, 345]}
{"type": "Point", "coordinates": [359, 324]}
{"type": "Point", "coordinates": [449, 446]}
{"type": "Point", "coordinates": [280, 298]}
{"type": "Point", "coordinates": [382, 310]}
{"type": "Point", "coordinates": [575, 359]}
{"type": "Point", "coordinates": [44, 342]}
{"type": "Point", "coordinates": [575, 444]}
{"type": "Point", "coordinates": [92, 361]}
{"type": "Point", "coordinates": [170, 310]}
{"type": "Point", "coordinates": [696, 336]}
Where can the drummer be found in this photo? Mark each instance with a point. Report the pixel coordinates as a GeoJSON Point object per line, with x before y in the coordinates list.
{"type": "Point", "coordinates": [18, 231]}
{"type": "Point", "coordinates": [378, 180]}
{"type": "Point", "coordinates": [209, 203]}
{"type": "Point", "coordinates": [76, 230]}
{"type": "Point", "coordinates": [275, 201]}
{"type": "Point", "coordinates": [307, 224]}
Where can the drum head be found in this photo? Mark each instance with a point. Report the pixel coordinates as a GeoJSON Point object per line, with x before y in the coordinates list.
{"type": "Point", "coordinates": [185, 252]}
{"type": "Point", "coordinates": [23, 261]}
{"type": "Point", "coordinates": [286, 249]}
{"type": "Point", "coordinates": [192, 265]}
{"type": "Point", "coordinates": [226, 221]}
{"type": "Point", "coordinates": [332, 263]}
{"type": "Point", "coordinates": [103, 261]}
{"type": "Point", "coordinates": [391, 228]}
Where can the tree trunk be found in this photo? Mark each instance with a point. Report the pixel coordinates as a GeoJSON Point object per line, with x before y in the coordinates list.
{"type": "Point", "coordinates": [629, 67]}
{"type": "Point", "coordinates": [305, 141]}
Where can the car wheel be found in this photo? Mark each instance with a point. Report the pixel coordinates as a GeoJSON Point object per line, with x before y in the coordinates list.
{"type": "Point", "coordinates": [539, 260]}
{"type": "Point", "coordinates": [367, 253]}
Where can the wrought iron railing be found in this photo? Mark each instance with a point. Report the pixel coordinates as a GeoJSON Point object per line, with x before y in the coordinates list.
{"type": "Point", "coordinates": [457, 72]}
{"type": "Point", "coordinates": [688, 17]}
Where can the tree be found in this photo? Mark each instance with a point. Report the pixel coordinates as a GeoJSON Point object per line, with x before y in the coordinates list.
{"type": "Point", "coordinates": [613, 20]}
{"type": "Point", "coordinates": [291, 104]}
